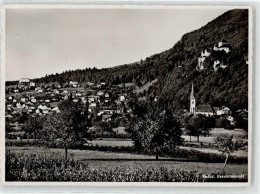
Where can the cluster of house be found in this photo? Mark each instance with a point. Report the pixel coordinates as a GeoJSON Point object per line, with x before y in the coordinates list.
{"type": "Point", "coordinates": [220, 46]}
{"type": "Point", "coordinates": [28, 104]}
{"type": "Point", "coordinates": [100, 100]}
{"type": "Point", "coordinates": [207, 110]}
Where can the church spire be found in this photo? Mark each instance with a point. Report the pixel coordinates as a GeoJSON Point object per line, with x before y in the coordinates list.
{"type": "Point", "coordinates": [192, 101]}
{"type": "Point", "coordinates": [192, 91]}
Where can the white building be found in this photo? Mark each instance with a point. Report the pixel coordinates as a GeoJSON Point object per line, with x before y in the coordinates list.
{"type": "Point", "coordinates": [65, 97]}
{"type": "Point", "coordinates": [56, 109]}
{"type": "Point", "coordinates": [200, 63]}
{"type": "Point", "coordinates": [216, 65]}
{"type": "Point", "coordinates": [92, 105]}
{"type": "Point", "coordinates": [33, 100]}
{"type": "Point", "coordinates": [75, 100]}
{"type": "Point", "coordinates": [224, 111]}
{"type": "Point", "coordinates": [100, 93]}
{"type": "Point", "coordinates": [32, 84]}
{"type": "Point", "coordinates": [78, 94]}
{"type": "Point", "coordinates": [93, 98]}
{"type": "Point", "coordinates": [222, 46]}
{"type": "Point", "coordinates": [56, 91]}
{"type": "Point", "coordinates": [46, 111]}
{"type": "Point", "coordinates": [23, 99]}
{"type": "Point", "coordinates": [222, 43]}
{"type": "Point", "coordinates": [122, 98]}
{"type": "Point", "coordinates": [74, 84]}
{"type": "Point", "coordinates": [231, 119]}
{"type": "Point", "coordinates": [205, 53]}
{"type": "Point", "coordinates": [24, 81]}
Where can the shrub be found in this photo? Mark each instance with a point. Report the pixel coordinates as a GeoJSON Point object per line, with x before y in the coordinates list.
{"type": "Point", "coordinates": [44, 167]}
{"type": "Point", "coordinates": [23, 143]}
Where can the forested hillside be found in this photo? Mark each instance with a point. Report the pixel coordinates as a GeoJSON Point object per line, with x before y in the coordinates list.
{"type": "Point", "coordinates": [175, 69]}
{"type": "Point", "coordinates": [227, 86]}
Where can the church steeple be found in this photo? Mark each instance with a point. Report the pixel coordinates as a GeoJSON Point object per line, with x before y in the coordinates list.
{"type": "Point", "coordinates": [192, 101]}
{"type": "Point", "coordinates": [192, 91]}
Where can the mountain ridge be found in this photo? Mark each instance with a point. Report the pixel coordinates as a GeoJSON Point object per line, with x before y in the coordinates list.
{"type": "Point", "coordinates": [175, 68]}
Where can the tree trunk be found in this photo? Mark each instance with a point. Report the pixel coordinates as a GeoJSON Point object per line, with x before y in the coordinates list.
{"type": "Point", "coordinates": [190, 138]}
{"type": "Point", "coordinates": [66, 153]}
{"type": "Point", "coordinates": [198, 138]}
{"type": "Point", "coordinates": [157, 154]}
{"type": "Point", "coordinates": [226, 160]}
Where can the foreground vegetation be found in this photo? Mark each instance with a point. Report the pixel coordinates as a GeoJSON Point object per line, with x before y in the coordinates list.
{"type": "Point", "coordinates": [53, 167]}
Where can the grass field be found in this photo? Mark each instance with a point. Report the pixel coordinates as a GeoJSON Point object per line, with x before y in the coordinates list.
{"type": "Point", "coordinates": [129, 162]}
{"type": "Point", "coordinates": [128, 142]}
{"type": "Point", "coordinates": [112, 142]}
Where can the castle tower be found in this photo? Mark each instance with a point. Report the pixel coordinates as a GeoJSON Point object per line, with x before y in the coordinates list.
{"type": "Point", "coordinates": [192, 101]}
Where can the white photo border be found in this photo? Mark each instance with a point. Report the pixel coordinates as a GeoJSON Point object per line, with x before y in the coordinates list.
{"type": "Point", "coordinates": [65, 6]}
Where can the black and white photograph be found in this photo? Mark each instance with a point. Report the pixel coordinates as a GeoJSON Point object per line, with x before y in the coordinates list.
{"type": "Point", "coordinates": [127, 94]}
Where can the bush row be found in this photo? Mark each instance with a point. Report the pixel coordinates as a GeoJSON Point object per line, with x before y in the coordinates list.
{"type": "Point", "coordinates": [23, 143]}
{"type": "Point", "coordinates": [53, 167]}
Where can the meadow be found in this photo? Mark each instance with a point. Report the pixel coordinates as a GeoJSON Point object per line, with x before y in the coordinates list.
{"type": "Point", "coordinates": [112, 142]}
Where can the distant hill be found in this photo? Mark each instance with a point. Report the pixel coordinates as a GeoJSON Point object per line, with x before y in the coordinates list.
{"type": "Point", "coordinates": [175, 69]}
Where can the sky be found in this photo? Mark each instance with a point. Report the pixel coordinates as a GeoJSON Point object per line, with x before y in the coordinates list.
{"type": "Point", "coordinates": [49, 41]}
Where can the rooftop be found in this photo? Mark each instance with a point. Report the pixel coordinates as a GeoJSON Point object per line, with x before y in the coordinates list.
{"type": "Point", "coordinates": [204, 108]}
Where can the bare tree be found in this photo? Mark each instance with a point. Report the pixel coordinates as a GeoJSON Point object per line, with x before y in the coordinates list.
{"type": "Point", "coordinates": [227, 145]}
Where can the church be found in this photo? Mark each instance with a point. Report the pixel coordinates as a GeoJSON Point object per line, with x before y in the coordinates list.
{"type": "Point", "coordinates": [203, 109]}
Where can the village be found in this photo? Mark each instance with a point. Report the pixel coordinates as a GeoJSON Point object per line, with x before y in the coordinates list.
{"type": "Point", "coordinates": [104, 103]}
